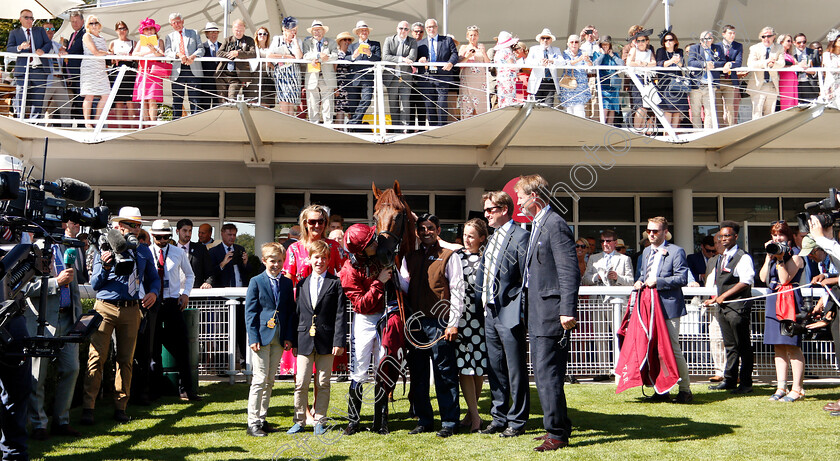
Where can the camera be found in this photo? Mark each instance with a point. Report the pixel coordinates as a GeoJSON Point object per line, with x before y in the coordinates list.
{"type": "Point", "coordinates": [775, 249]}
{"type": "Point", "coordinates": [114, 242]}
{"type": "Point", "coordinates": [825, 210]}
{"type": "Point", "coordinates": [588, 32]}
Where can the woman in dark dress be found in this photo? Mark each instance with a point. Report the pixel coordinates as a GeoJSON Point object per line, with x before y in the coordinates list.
{"type": "Point", "coordinates": [342, 75]}
{"type": "Point", "coordinates": [674, 102]}
{"type": "Point", "coordinates": [471, 356]}
{"type": "Point", "coordinates": [782, 273]}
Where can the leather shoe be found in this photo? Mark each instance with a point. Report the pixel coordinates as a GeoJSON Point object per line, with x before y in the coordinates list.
{"type": "Point", "coordinates": [722, 386]}
{"type": "Point", "coordinates": [446, 432]}
{"type": "Point", "coordinates": [190, 397]}
{"type": "Point", "coordinates": [511, 432]}
{"type": "Point", "coordinates": [39, 434]}
{"type": "Point", "coordinates": [255, 431]}
{"type": "Point", "coordinates": [550, 444]}
{"type": "Point", "coordinates": [65, 429]}
{"type": "Point", "coordinates": [742, 390]}
{"type": "Point", "coordinates": [658, 398]}
{"type": "Point", "coordinates": [121, 417]}
{"type": "Point", "coordinates": [268, 428]}
{"type": "Point", "coordinates": [541, 437]}
{"type": "Point", "coordinates": [716, 379]}
{"type": "Point", "coordinates": [683, 397]}
{"type": "Point", "coordinates": [492, 429]}
{"type": "Point", "coordinates": [419, 430]}
{"type": "Point", "coordinates": [352, 428]}
{"type": "Point", "coordinates": [87, 417]}
{"type": "Point", "coordinates": [832, 406]}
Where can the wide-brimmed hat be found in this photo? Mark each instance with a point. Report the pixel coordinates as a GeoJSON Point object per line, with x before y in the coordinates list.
{"type": "Point", "coordinates": [211, 27]}
{"type": "Point", "coordinates": [129, 213]}
{"type": "Point", "coordinates": [361, 25]}
{"type": "Point", "coordinates": [620, 244]}
{"type": "Point", "coordinates": [605, 39]}
{"type": "Point", "coordinates": [641, 33]}
{"type": "Point", "coordinates": [808, 245]}
{"type": "Point", "coordinates": [345, 35]}
{"type": "Point", "coordinates": [505, 40]}
{"type": "Point", "coordinates": [284, 232]}
{"type": "Point", "coordinates": [161, 227]}
{"type": "Point", "coordinates": [146, 23]}
{"type": "Point", "coordinates": [318, 23]}
{"type": "Point", "coordinates": [545, 33]}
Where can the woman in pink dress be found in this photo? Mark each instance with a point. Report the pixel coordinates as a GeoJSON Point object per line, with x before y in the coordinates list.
{"type": "Point", "coordinates": [788, 81]}
{"type": "Point", "coordinates": [148, 89]}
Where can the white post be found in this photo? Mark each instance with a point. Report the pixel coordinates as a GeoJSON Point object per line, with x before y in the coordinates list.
{"type": "Point", "coordinates": [227, 17]}
{"type": "Point", "coordinates": [264, 214]}
{"type": "Point", "coordinates": [601, 115]}
{"type": "Point", "coordinates": [683, 219]}
{"type": "Point", "coordinates": [667, 4]}
{"type": "Point", "coordinates": [23, 91]}
{"type": "Point", "coordinates": [103, 117]}
{"type": "Point", "coordinates": [379, 93]}
{"type": "Point", "coordinates": [712, 103]}
{"type": "Point", "coordinates": [445, 17]}
{"type": "Point", "coordinates": [231, 352]}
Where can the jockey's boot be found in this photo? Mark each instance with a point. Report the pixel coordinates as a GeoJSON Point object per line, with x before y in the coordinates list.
{"type": "Point", "coordinates": [354, 408]}
{"type": "Point", "coordinates": [380, 411]}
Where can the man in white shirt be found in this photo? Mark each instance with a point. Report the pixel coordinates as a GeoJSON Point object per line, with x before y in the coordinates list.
{"type": "Point", "coordinates": [172, 264]}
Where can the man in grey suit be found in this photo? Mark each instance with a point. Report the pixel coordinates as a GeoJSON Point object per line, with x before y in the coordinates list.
{"type": "Point", "coordinates": [320, 77]}
{"type": "Point", "coordinates": [402, 50]}
{"type": "Point", "coordinates": [185, 45]}
{"type": "Point", "coordinates": [499, 290]}
{"type": "Point", "coordinates": [663, 266]}
{"type": "Point", "coordinates": [64, 307]}
{"type": "Point", "coordinates": [551, 280]}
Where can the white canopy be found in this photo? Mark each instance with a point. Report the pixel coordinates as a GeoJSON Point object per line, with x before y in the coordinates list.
{"type": "Point", "coordinates": [41, 9]}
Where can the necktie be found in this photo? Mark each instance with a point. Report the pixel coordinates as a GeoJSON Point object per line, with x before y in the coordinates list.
{"type": "Point", "coordinates": [650, 263]}
{"type": "Point", "coordinates": [545, 56]}
{"type": "Point", "coordinates": [432, 49]}
{"type": "Point", "coordinates": [181, 46]}
{"type": "Point", "coordinates": [161, 267]}
{"type": "Point", "coordinates": [72, 39]}
{"type": "Point", "coordinates": [212, 50]}
{"type": "Point", "coordinates": [319, 46]}
{"type": "Point", "coordinates": [275, 285]}
{"type": "Point", "coordinates": [29, 39]}
{"type": "Point", "coordinates": [767, 74]}
{"type": "Point", "coordinates": [133, 282]}
{"type": "Point", "coordinates": [490, 261]}
{"type": "Point", "coordinates": [64, 291]}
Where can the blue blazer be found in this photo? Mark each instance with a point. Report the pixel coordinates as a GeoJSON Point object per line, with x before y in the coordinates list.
{"type": "Point", "coordinates": [697, 58]}
{"type": "Point", "coordinates": [226, 277]}
{"type": "Point", "coordinates": [507, 303]}
{"type": "Point", "coordinates": [260, 307]}
{"type": "Point", "coordinates": [672, 276]}
{"type": "Point", "coordinates": [697, 265]}
{"type": "Point", "coordinates": [735, 56]}
{"type": "Point", "coordinates": [77, 47]}
{"type": "Point", "coordinates": [554, 276]}
{"type": "Point", "coordinates": [446, 52]}
{"type": "Point", "coordinates": [375, 55]}
{"type": "Point", "coordinates": [40, 41]}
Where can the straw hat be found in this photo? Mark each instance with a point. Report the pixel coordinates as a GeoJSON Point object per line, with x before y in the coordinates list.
{"type": "Point", "coordinates": [161, 227]}
{"type": "Point", "coordinates": [211, 27]}
{"type": "Point", "coordinates": [318, 23]}
{"type": "Point", "coordinates": [129, 213]}
{"type": "Point", "coordinates": [361, 25]}
{"type": "Point", "coordinates": [345, 35]}
{"type": "Point", "coordinates": [546, 33]}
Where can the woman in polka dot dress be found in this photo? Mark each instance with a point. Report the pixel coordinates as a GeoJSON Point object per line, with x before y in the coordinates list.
{"type": "Point", "coordinates": [472, 349]}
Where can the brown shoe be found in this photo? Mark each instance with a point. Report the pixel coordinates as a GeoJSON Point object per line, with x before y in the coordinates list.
{"type": "Point", "coordinates": [542, 437]}
{"type": "Point", "coordinates": [66, 430]}
{"type": "Point", "coordinates": [550, 444]}
{"type": "Point", "coordinates": [832, 406]}
{"type": "Point", "coordinates": [716, 379]}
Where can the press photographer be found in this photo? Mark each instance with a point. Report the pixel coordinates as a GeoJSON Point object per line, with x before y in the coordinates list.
{"type": "Point", "coordinates": [118, 273]}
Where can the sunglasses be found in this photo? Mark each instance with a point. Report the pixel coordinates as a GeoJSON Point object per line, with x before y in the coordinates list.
{"type": "Point", "coordinates": [668, 40]}
{"type": "Point", "coordinates": [800, 43]}
{"type": "Point", "coordinates": [403, 28]}
{"type": "Point", "coordinates": [580, 246]}
{"type": "Point", "coordinates": [163, 237]}
{"type": "Point", "coordinates": [262, 34]}
{"type": "Point", "coordinates": [641, 40]}
{"type": "Point", "coordinates": [122, 28]}
{"type": "Point", "coordinates": [28, 17]}
{"type": "Point", "coordinates": [314, 222]}
{"type": "Point", "coordinates": [130, 225]}
{"type": "Point", "coordinates": [653, 231]}
{"type": "Point", "coordinates": [767, 36]}
{"type": "Point", "coordinates": [707, 39]}
{"type": "Point", "coordinates": [708, 250]}
{"type": "Point", "coordinates": [49, 29]}
{"type": "Point", "coordinates": [492, 209]}
{"type": "Point", "coordinates": [94, 23]}
{"type": "Point", "coordinates": [607, 241]}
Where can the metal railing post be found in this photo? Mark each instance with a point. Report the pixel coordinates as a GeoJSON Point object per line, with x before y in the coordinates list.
{"type": "Point", "coordinates": [23, 91]}
{"type": "Point", "coordinates": [231, 352]}
{"type": "Point", "coordinates": [103, 117]}
{"type": "Point", "coordinates": [379, 93]}
{"type": "Point", "coordinates": [601, 116]}
{"type": "Point", "coordinates": [712, 104]}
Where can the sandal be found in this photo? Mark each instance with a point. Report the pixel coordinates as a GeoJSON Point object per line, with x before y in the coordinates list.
{"type": "Point", "coordinates": [791, 398]}
{"type": "Point", "coordinates": [778, 395]}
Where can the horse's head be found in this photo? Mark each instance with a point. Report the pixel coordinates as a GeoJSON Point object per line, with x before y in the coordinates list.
{"type": "Point", "coordinates": [394, 224]}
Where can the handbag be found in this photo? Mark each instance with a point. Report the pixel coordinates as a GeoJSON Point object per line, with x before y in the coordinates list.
{"type": "Point", "coordinates": [568, 82]}
{"type": "Point", "coordinates": [160, 69]}
{"type": "Point", "coordinates": [650, 95]}
{"type": "Point", "coordinates": [678, 86]}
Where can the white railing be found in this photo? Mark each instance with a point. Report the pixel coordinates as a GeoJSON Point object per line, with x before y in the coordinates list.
{"type": "Point", "coordinates": [378, 125]}
{"type": "Point", "coordinates": [594, 348]}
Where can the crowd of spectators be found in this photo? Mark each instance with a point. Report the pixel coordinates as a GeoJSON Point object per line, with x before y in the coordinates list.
{"type": "Point", "coordinates": [423, 85]}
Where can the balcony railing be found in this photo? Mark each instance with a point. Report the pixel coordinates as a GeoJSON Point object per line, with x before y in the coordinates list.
{"type": "Point", "coordinates": [654, 101]}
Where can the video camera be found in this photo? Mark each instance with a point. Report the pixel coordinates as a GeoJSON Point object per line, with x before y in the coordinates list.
{"type": "Point", "coordinates": [115, 242]}
{"type": "Point", "coordinates": [826, 211]}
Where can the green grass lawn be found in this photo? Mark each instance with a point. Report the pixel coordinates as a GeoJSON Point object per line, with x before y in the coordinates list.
{"type": "Point", "coordinates": [606, 426]}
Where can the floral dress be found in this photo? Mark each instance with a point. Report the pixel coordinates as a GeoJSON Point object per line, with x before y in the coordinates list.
{"type": "Point", "coordinates": [472, 95]}
{"type": "Point", "coordinates": [505, 77]}
{"type": "Point", "coordinates": [831, 84]}
{"type": "Point", "coordinates": [471, 356]}
{"type": "Point", "coordinates": [581, 94]}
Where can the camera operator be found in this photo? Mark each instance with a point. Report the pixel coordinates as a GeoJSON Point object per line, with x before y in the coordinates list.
{"type": "Point", "coordinates": [15, 385]}
{"type": "Point", "coordinates": [117, 300]}
{"type": "Point", "coordinates": [63, 309]}
{"type": "Point", "coordinates": [824, 238]}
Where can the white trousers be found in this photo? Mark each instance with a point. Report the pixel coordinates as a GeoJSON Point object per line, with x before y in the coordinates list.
{"type": "Point", "coordinates": [365, 345]}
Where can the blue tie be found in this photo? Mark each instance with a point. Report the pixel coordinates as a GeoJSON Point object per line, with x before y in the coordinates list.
{"type": "Point", "coordinates": [275, 285]}
{"type": "Point", "coordinates": [64, 299]}
{"type": "Point", "coordinates": [432, 49]}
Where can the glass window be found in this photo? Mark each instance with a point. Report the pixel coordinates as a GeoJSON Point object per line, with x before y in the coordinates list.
{"type": "Point", "coordinates": [757, 236]}
{"type": "Point", "coordinates": [146, 201]}
{"type": "Point", "coordinates": [754, 209]}
{"type": "Point", "coordinates": [287, 205]}
{"type": "Point", "coordinates": [792, 206]}
{"type": "Point", "coordinates": [419, 204]}
{"type": "Point", "coordinates": [452, 233]}
{"type": "Point", "coordinates": [650, 207]}
{"type": "Point", "coordinates": [239, 204]}
{"type": "Point", "coordinates": [705, 209]}
{"type": "Point", "coordinates": [189, 204]}
{"type": "Point", "coordinates": [451, 207]}
{"type": "Point", "coordinates": [606, 209]}
{"type": "Point", "coordinates": [561, 202]}
{"type": "Point", "coordinates": [349, 206]}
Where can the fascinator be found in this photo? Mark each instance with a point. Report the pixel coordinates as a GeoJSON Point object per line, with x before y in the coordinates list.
{"type": "Point", "coordinates": [290, 22]}
{"type": "Point", "coordinates": [832, 35]}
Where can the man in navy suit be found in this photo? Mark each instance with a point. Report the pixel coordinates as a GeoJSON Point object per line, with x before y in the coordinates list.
{"type": "Point", "coordinates": [697, 261]}
{"type": "Point", "coordinates": [209, 83]}
{"type": "Point", "coordinates": [440, 50]}
{"type": "Point", "coordinates": [662, 266]}
{"type": "Point", "coordinates": [230, 269]}
{"type": "Point", "coordinates": [730, 84]}
{"type": "Point", "coordinates": [707, 56]}
{"type": "Point", "coordinates": [361, 91]}
{"type": "Point", "coordinates": [551, 279]}
{"type": "Point", "coordinates": [499, 290]}
{"type": "Point", "coordinates": [809, 85]}
{"type": "Point", "coordinates": [198, 255]}
{"type": "Point", "coordinates": [30, 39]}
{"type": "Point", "coordinates": [75, 46]}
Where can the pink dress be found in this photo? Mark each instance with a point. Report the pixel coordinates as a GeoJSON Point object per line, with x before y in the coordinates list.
{"type": "Point", "coordinates": [297, 268]}
{"type": "Point", "coordinates": [788, 86]}
{"type": "Point", "coordinates": [147, 87]}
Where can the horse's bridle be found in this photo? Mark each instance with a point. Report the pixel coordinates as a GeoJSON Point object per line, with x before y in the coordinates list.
{"type": "Point", "coordinates": [396, 235]}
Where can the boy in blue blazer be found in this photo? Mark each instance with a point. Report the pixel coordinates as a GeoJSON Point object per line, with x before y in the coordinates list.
{"type": "Point", "coordinates": [321, 319]}
{"type": "Point", "coordinates": [269, 307]}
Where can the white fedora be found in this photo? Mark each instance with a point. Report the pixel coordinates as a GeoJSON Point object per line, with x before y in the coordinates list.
{"type": "Point", "coordinates": [161, 227]}
{"type": "Point", "coordinates": [318, 23]}
{"type": "Point", "coordinates": [129, 213]}
{"type": "Point", "coordinates": [546, 33]}
{"type": "Point", "coordinates": [361, 25]}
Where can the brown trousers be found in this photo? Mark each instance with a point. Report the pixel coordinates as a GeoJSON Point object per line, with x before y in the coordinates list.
{"type": "Point", "coordinates": [126, 321]}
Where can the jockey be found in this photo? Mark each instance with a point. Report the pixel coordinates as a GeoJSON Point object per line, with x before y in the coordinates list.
{"type": "Point", "coordinates": [363, 278]}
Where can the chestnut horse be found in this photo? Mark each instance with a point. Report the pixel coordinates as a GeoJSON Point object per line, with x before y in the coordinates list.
{"type": "Point", "coordinates": [395, 225]}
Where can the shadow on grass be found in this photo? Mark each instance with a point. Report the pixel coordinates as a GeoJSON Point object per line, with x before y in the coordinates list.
{"type": "Point", "coordinates": [604, 428]}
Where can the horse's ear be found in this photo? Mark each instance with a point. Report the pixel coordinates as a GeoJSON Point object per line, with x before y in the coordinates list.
{"type": "Point", "coordinates": [397, 188]}
{"type": "Point", "coordinates": [376, 191]}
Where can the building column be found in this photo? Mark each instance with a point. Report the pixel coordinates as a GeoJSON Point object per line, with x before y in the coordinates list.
{"type": "Point", "coordinates": [473, 200]}
{"type": "Point", "coordinates": [264, 216]}
{"type": "Point", "coordinates": [684, 219]}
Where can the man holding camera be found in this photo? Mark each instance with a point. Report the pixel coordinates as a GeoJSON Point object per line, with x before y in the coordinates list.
{"type": "Point", "coordinates": [733, 277]}
{"type": "Point", "coordinates": [230, 269]}
{"type": "Point", "coordinates": [63, 309]}
{"type": "Point", "coordinates": [118, 301]}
